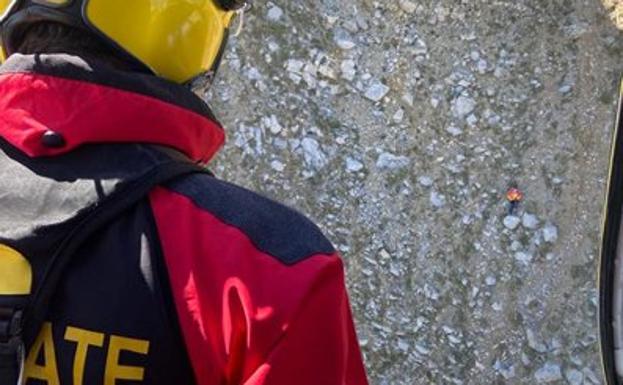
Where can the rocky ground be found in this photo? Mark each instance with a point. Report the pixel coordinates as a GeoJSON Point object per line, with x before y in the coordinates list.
{"type": "Point", "coordinates": [398, 126]}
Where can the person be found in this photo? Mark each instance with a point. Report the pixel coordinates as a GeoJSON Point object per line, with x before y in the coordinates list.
{"type": "Point", "coordinates": [199, 281]}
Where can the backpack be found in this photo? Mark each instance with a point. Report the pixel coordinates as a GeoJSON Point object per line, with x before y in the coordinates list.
{"type": "Point", "coordinates": [24, 314]}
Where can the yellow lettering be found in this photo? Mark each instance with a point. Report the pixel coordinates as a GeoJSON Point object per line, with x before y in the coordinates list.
{"type": "Point", "coordinates": [115, 371]}
{"type": "Point", "coordinates": [83, 339]}
{"type": "Point", "coordinates": [48, 372]}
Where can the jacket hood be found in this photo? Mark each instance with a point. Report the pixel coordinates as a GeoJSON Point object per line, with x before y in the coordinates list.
{"type": "Point", "coordinates": [86, 102]}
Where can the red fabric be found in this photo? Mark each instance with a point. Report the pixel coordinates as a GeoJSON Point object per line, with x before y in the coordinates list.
{"type": "Point", "coordinates": [248, 319]}
{"type": "Point", "coordinates": [82, 112]}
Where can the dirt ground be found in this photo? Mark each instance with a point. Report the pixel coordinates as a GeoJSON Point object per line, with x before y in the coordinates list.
{"type": "Point", "coordinates": [398, 127]}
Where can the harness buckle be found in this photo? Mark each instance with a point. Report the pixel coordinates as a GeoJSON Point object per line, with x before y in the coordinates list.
{"type": "Point", "coordinates": [10, 323]}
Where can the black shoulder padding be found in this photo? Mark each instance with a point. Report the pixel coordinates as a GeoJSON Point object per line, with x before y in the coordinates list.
{"type": "Point", "coordinates": [272, 227]}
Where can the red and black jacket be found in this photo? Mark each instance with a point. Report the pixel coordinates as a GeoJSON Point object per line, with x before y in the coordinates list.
{"type": "Point", "coordinates": [201, 282]}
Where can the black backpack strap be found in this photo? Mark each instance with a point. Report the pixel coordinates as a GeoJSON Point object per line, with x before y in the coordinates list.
{"type": "Point", "coordinates": [21, 320]}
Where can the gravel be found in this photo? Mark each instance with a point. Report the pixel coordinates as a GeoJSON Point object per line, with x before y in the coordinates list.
{"type": "Point", "coordinates": [399, 126]}
{"type": "Point", "coordinates": [463, 106]}
{"type": "Point", "coordinates": [511, 222]}
{"type": "Point", "coordinates": [529, 221]}
{"type": "Point", "coordinates": [550, 372]}
{"type": "Point", "coordinates": [313, 154]}
{"type": "Point", "coordinates": [274, 13]}
{"type": "Point", "coordinates": [377, 91]}
{"type": "Point", "coordinates": [388, 161]}
{"type": "Point", "coordinates": [550, 233]}
{"type": "Point", "coordinates": [574, 377]}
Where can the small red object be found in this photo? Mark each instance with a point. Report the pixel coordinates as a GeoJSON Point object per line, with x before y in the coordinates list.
{"type": "Point", "coordinates": [514, 195]}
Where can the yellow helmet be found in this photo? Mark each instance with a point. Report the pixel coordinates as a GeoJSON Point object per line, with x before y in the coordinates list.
{"type": "Point", "coordinates": [176, 39]}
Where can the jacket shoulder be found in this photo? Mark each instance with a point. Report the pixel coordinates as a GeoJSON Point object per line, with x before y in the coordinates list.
{"type": "Point", "coordinates": [273, 228]}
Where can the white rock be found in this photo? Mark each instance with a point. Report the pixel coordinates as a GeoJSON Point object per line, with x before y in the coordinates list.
{"type": "Point", "coordinates": [436, 199]}
{"type": "Point", "coordinates": [423, 350]}
{"type": "Point", "coordinates": [294, 65]}
{"type": "Point", "coordinates": [254, 74]}
{"type": "Point", "coordinates": [376, 91]}
{"type": "Point", "coordinates": [529, 221]}
{"type": "Point", "coordinates": [472, 119]}
{"type": "Point", "coordinates": [345, 44]}
{"type": "Point", "coordinates": [399, 115]}
{"type": "Point", "coordinates": [277, 166]}
{"type": "Point", "coordinates": [388, 161]}
{"type": "Point", "coordinates": [550, 233]}
{"type": "Point", "coordinates": [549, 372]}
{"type": "Point", "coordinates": [309, 75]}
{"type": "Point", "coordinates": [327, 71]}
{"type": "Point", "coordinates": [431, 292]}
{"type": "Point", "coordinates": [384, 255]}
{"type": "Point", "coordinates": [403, 345]}
{"type": "Point", "coordinates": [353, 165]}
{"type": "Point", "coordinates": [350, 25]}
{"type": "Point", "coordinates": [490, 280]}
{"type": "Point", "coordinates": [534, 342]}
{"type": "Point", "coordinates": [511, 222]}
{"type": "Point", "coordinates": [525, 359]}
{"type": "Point", "coordinates": [574, 377]}
{"type": "Point", "coordinates": [344, 40]}
{"type": "Point", "coordinates": [454, 130]}
{"type": "Point", "coordinates": [408, 98]}
{"type": "Point", "coordinates": [482, 66]}
{"type": "Point", "coordinates": [463, 106]}
{"type": "Point", "coordinates": [407, 6]}
{"type": "Point", "coordinates": [425, 181]}
{"type": "Point", "coordinates": [441, 13]}
{"type": "Point", "coordinates": [507, 371]}
{"type": "Point", "coordinates": [296, 78]}
{"type": "Point", "coordinates": [312, 153]}
{"type": "Point", "coordinates": [272, 124]}
{"type": "Point", "coordinates": [273, 46]}
{"type": "Point", "coordinates": [523, 257]}
{"type": "Point", "coordinates": [348, 69]}
{"type": "Point", "coordinates": [274, 13]}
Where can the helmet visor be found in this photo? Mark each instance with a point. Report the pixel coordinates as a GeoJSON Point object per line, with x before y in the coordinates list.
{"type": "Point", "coordinates": [177, 39]}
